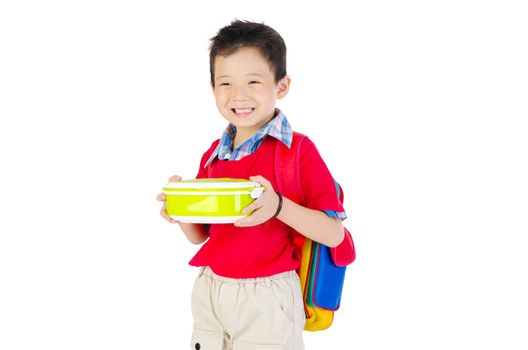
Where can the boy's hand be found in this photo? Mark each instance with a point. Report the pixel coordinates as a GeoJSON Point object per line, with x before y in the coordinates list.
{"type": "Point", "coordinates": [161, 198]}
{"type": "Point", "coordinates": [263, 207]}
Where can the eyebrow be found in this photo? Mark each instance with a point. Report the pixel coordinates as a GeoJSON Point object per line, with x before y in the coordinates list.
{"type": "Point", "coordinates": [247, 75]}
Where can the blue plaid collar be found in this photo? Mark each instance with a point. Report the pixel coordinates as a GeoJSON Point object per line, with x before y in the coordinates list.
{"type": "Point", "coordinates": [278, 127]}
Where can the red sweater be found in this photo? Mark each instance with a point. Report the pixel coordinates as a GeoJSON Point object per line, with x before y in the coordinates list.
{"type": "Point", "coordinates": [265, 249]}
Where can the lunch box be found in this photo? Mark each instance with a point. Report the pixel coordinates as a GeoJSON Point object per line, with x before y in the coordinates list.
{"type": "Point", "coordinates": [218, 200]}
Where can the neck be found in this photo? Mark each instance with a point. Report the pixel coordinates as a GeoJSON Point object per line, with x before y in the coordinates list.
{"type": "Point", "coordinates": [242, 135]}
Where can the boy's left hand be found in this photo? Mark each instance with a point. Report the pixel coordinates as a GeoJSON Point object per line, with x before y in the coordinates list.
{"type": "Point", "coordinates": [263, 207]}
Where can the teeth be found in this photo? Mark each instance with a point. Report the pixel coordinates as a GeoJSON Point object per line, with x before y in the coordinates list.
{"type": "Point", "coordinates": [247, 110]}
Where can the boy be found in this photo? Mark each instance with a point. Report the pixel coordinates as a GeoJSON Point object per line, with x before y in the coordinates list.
{"type": "Point", "coordinates": [247, 295]}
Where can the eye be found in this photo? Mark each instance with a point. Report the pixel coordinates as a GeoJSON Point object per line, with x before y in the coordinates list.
{"type": "Point", "coordinates": [254, 82]}
{"type": "Point", "coordinates": [223, 84]}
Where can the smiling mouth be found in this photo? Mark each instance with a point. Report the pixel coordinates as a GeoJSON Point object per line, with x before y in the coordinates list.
{"type": "Point", "coordinates": [242, 112]}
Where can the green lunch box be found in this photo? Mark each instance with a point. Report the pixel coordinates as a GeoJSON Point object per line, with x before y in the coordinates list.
{"type": "Point", "coordinates": [209, 201]}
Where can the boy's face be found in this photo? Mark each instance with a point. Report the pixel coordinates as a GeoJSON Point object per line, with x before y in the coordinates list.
{"type": "Point", "coordinates": [245, 89]}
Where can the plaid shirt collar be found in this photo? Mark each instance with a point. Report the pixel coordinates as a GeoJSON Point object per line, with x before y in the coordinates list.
{"type": "Point", "coordinates": [278, 127]}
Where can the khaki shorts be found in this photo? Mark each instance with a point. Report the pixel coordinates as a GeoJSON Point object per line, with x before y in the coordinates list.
{"type": "Point", "coordinates": [247, 314]}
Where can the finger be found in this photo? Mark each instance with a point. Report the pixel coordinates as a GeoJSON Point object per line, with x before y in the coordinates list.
{"type": "Point", "coordinates": [245, 222]}
{"type": "Point", "coordinates": [163, 213]}
{"type": "Point", "coordinates": [168, 218]}
{"type": "Point", "coordinates": [262, 181]}
{"type": "Point", "coordinates": [252, 220]}
{"type": "Point", "coordinates": [174, 178]}
{"type": "Point", "coordinates": [253, 206]}
{"type": "Point", "coordinates": [254, 215]}
{"type": "Point", "coordinates": [161, 197]}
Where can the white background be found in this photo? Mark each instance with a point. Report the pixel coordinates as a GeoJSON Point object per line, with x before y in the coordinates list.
{"type": "Point", "coordinates": [418, 107]}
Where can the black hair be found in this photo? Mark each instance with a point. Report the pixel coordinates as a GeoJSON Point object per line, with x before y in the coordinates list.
{"type": "Point", "coordinates": [240, 34]}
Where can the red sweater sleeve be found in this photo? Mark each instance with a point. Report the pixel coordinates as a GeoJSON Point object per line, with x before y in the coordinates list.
{"type": "Point", "coordinates": [316, 180]}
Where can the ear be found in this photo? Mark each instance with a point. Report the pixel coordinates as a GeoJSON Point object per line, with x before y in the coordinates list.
{"type": "Point", "coordinates": [283, 86]}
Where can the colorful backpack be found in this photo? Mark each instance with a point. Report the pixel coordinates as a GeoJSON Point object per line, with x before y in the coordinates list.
{"type": "Point", "coordinates": [322, 269]}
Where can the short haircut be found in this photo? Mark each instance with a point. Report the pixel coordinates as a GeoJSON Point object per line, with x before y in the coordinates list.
{"type": "Point", "coordinates": [240, 34]}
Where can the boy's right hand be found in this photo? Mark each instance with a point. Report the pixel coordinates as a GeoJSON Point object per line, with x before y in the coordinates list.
{"type": "Point", "coordinates": [161, 198]}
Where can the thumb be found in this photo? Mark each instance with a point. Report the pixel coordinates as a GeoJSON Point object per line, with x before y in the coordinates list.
{"type": "Point", "coordinates": [175, 178]}
{"type": "Point", "coordinates": [262, 181]}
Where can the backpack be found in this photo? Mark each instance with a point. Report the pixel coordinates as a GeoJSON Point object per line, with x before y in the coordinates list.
{"type": "Point", "coordinates": [322, 269]}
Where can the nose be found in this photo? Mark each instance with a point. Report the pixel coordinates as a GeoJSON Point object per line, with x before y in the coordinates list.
{"type": "Point", "coordinates": [240, 93]}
